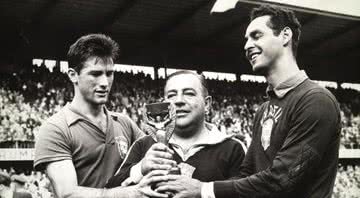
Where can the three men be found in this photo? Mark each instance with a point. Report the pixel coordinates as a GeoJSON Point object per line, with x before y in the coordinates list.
{"type": "Point", "coordinates": [201, 150]}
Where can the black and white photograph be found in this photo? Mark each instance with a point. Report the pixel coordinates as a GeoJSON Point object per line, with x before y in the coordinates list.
{"type": "Point", "coordinates": [179, 99]}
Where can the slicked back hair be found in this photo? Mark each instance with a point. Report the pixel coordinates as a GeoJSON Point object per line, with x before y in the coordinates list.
{"type": "Point", "coordinates": [279, 19]}
{"type": "Point", "coordinates": [201, 78]}
{"type": "Point", "coordinates": [93, 45]}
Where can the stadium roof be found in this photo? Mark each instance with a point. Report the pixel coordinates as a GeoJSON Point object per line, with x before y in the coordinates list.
{"type": "Point", "coordinates": [174, 34]}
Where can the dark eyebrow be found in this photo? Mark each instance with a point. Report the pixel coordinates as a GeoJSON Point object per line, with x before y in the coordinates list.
{"type": "Point", "coordinates": [170, 91]}
{"type": "Point", "coordinates": [189, 89]}
{"type": "Point", "coordinates": [253, 33]}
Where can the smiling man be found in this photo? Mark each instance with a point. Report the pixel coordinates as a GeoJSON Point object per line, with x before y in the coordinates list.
{"type": "Point", "coordinates": [294, 150]}
{"type": "Point", "coordinates": [82, 145]}
{"type": "Point", "coordinates": [201, 150]}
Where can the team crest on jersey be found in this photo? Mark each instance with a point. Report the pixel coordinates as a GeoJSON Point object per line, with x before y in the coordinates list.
{"type": "Point", "coordinates": [186, 169]}
{"type": "Point", "coordinates": [269, 119]}
{"type": "Point", "coordinates": [122, 145]}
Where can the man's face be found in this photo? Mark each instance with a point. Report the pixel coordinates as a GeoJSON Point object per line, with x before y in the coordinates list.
{"type": "Point", "coordinates": [262, 47]}
{"type": "Point", "coordinates": [95, 79]}
{"type": "Point", "coordinates": [185, 91]}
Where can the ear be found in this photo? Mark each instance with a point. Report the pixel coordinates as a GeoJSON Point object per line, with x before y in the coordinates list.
{"type": "Point", "coordinates": [73, 75]}
{"type": "Point", "coordinates": [208, 102]}
{"type": "Point", "coordinates": [287, 35]}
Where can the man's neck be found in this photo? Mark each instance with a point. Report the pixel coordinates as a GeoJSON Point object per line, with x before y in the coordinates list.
{"type": "Point", "coordinates": [89, 110]}
{"type": "Point", "coordinates": [285, 68]}
{"type": "Point", "coordinates": [94, 113]}
{"type": "Point", "coordinates": [190, 140]}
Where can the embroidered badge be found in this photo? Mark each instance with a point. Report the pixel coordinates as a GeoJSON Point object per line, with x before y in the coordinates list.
{"type": "Point", "coordinates": [122, 146]}
{"type": "Point", "coordinates": [186, 169]}
{"type": "Point", "coordinates": [269, 119]}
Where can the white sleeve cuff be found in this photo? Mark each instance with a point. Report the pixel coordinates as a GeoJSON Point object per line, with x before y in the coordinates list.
{"type": "Point", "coordinates": [135, 173]}
{"type": "Point", "coordinates": [207, 190]}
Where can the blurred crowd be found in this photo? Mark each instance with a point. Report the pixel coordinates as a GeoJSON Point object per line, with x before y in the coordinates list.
{"type": "Point", "coordinates": [28, 97]}
{"type": "Point", "coordinates": [347, 182]}
{"type": "Point", "coordinates": [34, 184]}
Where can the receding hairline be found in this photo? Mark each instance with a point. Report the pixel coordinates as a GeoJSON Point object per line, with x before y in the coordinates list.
{"type": "Point", "coordinates": [203, 87]}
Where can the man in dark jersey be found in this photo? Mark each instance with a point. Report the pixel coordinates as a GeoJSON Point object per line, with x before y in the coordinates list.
{"type": "Point", "coordinates": [294, 150]}
{"type": "Point", "coordinates": [201, 150]}
{"type": "Point", "coordinates": [82, 145]}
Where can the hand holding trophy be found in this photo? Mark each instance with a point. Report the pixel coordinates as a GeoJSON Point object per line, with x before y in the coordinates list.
{"type": "Point", "coordinates": [160, 124]}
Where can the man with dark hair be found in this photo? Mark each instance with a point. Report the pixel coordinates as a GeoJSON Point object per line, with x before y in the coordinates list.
{"type": "Point", "coordinates": [201, 150]}
{"type": "Point", "coordinates": [294, 150]}
{"type": "Point", "coordinates": [82, 145]}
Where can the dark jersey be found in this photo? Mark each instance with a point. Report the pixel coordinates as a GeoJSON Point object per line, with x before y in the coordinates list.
{"type": "Point", "coordinates": [213, 161]}
{"type": "Point", "coordinates": [294, 151]}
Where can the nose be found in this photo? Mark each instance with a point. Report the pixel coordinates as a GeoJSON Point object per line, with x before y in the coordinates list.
{"type": "Point", "coordinates": [249, 44]}
{"type": "Point", "coordinates": [179, 100]}
{"type": "Point", "coordinates": [103, 81]}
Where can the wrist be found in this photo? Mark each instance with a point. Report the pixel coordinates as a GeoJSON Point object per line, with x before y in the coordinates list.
{"type": "Point", "coordinates": [136, 172]}
{"type": "Point", "coordinates": [121, 192]}
{"type": "Point", "coordinates": [207, 190]}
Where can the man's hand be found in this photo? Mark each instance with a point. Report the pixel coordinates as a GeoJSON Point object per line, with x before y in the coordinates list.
{"type": "Point", "coordinates": [182, 186]}
{"type": "Point", "coordinates": [158, 157]}
{"type": "Point", "coordinates": [144, 186]}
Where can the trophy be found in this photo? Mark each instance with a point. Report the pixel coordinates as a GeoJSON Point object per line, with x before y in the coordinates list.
{"type": "Point", "coordinates": [160, 124]}
{"type": "Point", "coordinates": [160, 121]}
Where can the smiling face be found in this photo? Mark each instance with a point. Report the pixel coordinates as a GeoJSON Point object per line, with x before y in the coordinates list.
{"type": "Point", "coordinates": [94, 80]}
{"type": "Point", "coordinates": [263, 48]}
{"type": "Point", "coordinates": [186, 92]}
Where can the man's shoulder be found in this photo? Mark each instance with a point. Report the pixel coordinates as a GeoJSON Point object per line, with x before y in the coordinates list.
{"type": "Point", "coordinates": [311, 88]}
{"type": "Point", "coordinates": [57, 121]}
{"type": "Point", "coordinates": [232, 144]}
{"type": "Point", "coordinates": [120, 118]}
{"type": "Point", "coordinates": [146, 141]}
{"type": "Point", "coordinates": [59, 118]}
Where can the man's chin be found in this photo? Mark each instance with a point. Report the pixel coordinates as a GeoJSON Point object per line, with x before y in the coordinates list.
{"type": "Point", "coordinates": [100, 102]}
{"type": "Point", "coordinates": [260, 70]}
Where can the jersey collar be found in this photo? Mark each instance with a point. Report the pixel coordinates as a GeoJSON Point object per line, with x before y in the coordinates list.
{"type": "Point", "coordinates": [72, 116]}
{"type": "Point", "coordinates": [283, 88]}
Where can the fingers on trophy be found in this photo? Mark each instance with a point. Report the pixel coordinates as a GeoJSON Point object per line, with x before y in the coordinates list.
{"type": "Point", "coordinates": [160, 124]}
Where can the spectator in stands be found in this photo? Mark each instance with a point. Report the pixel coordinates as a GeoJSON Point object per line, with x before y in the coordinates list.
{"type": "Point", "coordinates": [5, 190]}
{"type": "Point", "coordinates": [18, 183]}
{"type": "Point", "coordinates": [81, 146]}
{"type": "Point", "coordinates": [294, 150]}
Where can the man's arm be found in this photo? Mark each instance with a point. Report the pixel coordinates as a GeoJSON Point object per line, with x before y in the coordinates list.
{"type": "Point", "coordinates": [133, 157]}
{"type": "Point", "coordinates": [236, 158]}
{"type": "Point", "coordinates": [314, 126]}
{"type": "Point", "coordinates": [247, 165]}
{"type": "Point", "coordinates": [63, 178]}
{"type": "Point", "coordinates": [138, 163]}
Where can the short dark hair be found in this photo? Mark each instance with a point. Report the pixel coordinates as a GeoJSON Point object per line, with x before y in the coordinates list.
{"type": "Point", "coordinates": [279, 19]}
{"type": "Point", "coordinates": [92, 45]}
{"type": "Point", "coordinates": [201, 78]}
